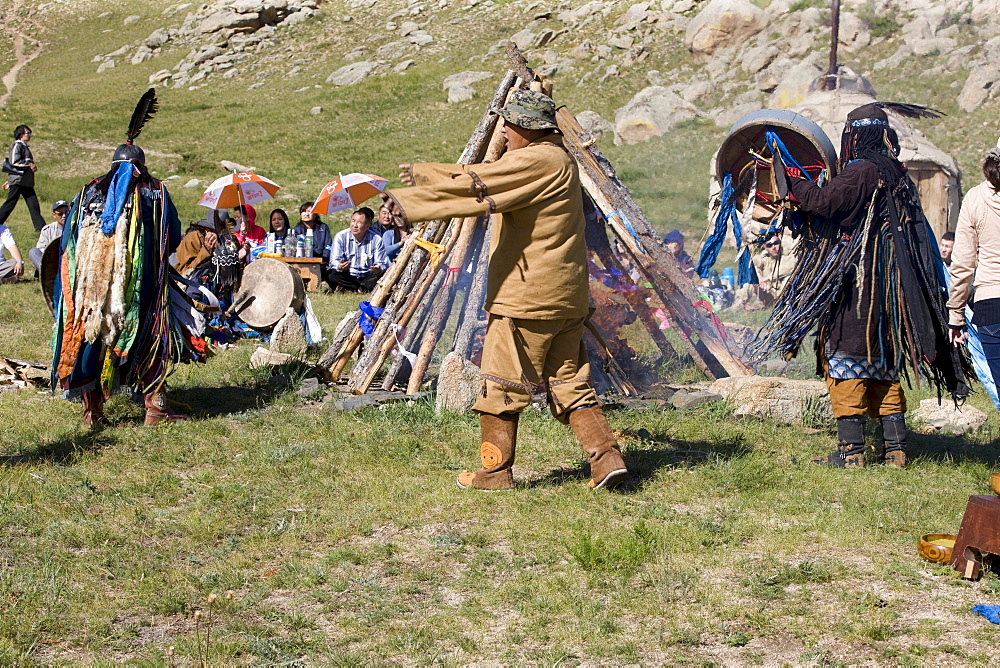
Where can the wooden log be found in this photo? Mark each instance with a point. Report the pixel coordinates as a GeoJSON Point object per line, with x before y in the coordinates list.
{"type": "Point", "coordinates": [441, 309]}
{"type": "Point", "coordinates": [474, 299]}
{"type": "Point", "coordinates": [474, 149]}
{"type": "Point", "coordinates": [714, 356]}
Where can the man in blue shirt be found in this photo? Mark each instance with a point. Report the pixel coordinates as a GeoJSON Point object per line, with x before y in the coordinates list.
{"type": "Point", "coordinates": [357, 257]}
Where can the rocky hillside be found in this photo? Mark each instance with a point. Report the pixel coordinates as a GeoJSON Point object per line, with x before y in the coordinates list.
{"type": "Point", "coordinates": [677, 72]}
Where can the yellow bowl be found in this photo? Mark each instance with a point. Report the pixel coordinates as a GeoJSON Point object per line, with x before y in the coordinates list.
{"type": "Point", "coordinates": [936, 547]}
{"type": "Point", "coordinates": [995, 483]}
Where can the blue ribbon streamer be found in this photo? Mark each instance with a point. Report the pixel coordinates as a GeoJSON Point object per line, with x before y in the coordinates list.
{"type": "Point", "coordinates": [631, 230]}
{"type": "Point", "coordinates": [118, 193]}
{"type": "Point", "coordinates": [368, 311]}
{"type": "Point", "coordinates": [710, 250]}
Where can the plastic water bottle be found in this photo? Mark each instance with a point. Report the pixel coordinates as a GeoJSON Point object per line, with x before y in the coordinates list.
{"type": "Point", "coordinates": [279, 247]}
{"type": "Point", "coordinates": [269, 243]}
{"type": "Point", "coordinates": [728, 278]}
{"type": "Point", "coordinates": [300, 246]}
{"type": "Point", "coordinates": [308, 249]}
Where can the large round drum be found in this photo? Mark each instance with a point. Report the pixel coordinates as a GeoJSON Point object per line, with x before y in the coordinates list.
{"type": "Point", "coordinates": [268, 288]}
{"type": "Point", "coordinates": [805, 140]}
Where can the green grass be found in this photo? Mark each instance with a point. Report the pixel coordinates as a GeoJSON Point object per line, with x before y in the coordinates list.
{"type": "Point", "coordinates": [342, 537]}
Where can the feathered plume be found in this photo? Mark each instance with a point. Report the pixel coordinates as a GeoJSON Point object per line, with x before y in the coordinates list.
{"type": "Point", "coordinates": [143, 112]}
{"type": "Point", "coordinates": [911, 110]}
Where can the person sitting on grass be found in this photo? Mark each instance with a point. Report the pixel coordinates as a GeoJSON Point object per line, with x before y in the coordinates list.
{"type": "Point", "coordinates": [397, 232]}
{"type": "Point", "coordinates": [10, 270]}
{"type": "Point", "coordinates": [674, 240]}
{"type": "Point", "coordinates": [320, 232]}
{"type": "Point", "coordinates": [247, 231]}
{"type": "Point", "coordinates": [51, 232]}
{"type": "Point", "coordinates": [279, 224]}
{"type": "Point", "coordinates": [358, 257]}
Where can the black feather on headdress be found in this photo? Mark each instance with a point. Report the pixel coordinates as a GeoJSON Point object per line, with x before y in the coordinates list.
{"type": "Point", "coordinates": [911, 110]}
{"type": "Point", "coordinates": [143, 112]}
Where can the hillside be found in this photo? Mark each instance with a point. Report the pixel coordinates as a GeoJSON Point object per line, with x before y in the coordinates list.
{"type": "Point", "coordinates": [249, 95]}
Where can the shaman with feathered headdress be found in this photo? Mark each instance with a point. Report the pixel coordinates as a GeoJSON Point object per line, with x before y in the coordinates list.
{"type": "Point", "coordinates": [114, 304]}
{"type": "Point", "coordinates": [870, 281]}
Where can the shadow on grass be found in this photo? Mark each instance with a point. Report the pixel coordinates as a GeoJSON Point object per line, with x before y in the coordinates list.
{"type": "Point", "coordinates": [943, 448]}
{"type": "Point", "coordinates": [645, 458]}
{"type": "Point", "coordinates": [206, 402]}
{"type": "Point", "coordinates": [65, 449]}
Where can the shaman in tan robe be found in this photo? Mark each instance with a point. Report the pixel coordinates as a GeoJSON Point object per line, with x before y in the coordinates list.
{"type": "Point", "coordinates": [537, 268]}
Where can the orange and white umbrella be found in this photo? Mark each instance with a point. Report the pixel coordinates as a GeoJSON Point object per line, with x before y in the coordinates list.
{"type": "Point", "coordinates": [238, 188]}
{"type": "Point", "coordinates": [347, 192]}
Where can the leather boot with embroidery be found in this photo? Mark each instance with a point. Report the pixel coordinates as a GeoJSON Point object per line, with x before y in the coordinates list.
{"type": "Point", "coordinates": [93, 409]}
{"type": "Point", "coordinates": [607, 466]}
{"type": "Point", "coordinates": [894, 439]}
{"type": "Point", "coordinates": [850, 452]}
{"type": "Point", "coordinates": [496, 453]}
{"type": "Point", "coordinates": [157, 411]}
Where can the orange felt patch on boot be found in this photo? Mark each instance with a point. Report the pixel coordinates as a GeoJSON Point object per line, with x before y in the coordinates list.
{"type": "Point", "coordinates": [490, 454]}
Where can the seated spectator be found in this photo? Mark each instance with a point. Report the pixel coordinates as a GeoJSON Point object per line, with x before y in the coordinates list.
{"type": "Point", "coordinates": [774, 266]}
{"type": "Point", "coordinates": [51, 232]}
{"type": "Point", "coordinates": [246, 228]}
{"type": "Point", "coordinates": [321, 233]}
{"type": "Point", "coordinates": [196, 247]}
{"type": "Point", "coordinates": [10, 270]}
{"type": "Point", "coordinates": [946, 244]}
{"type": "Point", "coordinates": [396, 232]}
{"type": "Point", "coordinates": [377, 227]}
{"type": "Point", "coordinates": [675, 244]}
{"type": "Point", "coordinates": [385, 220]}
{"type": "Point", "coordinates": [279, 224]}
{"type": "Point", "coordinates": [357, 258]}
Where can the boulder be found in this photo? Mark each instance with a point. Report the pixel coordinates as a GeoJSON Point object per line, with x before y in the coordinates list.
{"type": "Point", "coordinates": [979, 86]}
{"type": "Point", "coordinates": [757, 58]}
{"type": "Point", "coordinates": [722, 24]}
{"type": "Point", "coordinates": [131, 19]}
{"type": "Point", "coordinates": [459, 383]}
{"type": "Point", "coordinates": [231, 166]}
{"type": "Point", "coordinates": [467, 78]}
{"type": "Point", "coordinates": [106, 65]}
{"type": "Point", "coordinates": [925, 47]}
{"type": "Point", "coordinates": [230, 20]}
{"type": "Point", "coordinates": [652, 112]}
{"type": "Point", "coordinates": [348, 75]}
{"type": "Point", "coordinates": [157, 38]}
{"type": "Point", "coordinates": [160, 77]}
{"type": "Point", "coordinates": [634, 16]}
{"type": "Point", "coordinates": [408, 28]}
{"type": "Point", "coordinates": [263, 357]}
{"type": "Point", "coordinates": [896, 59]}
{"type": "Point", "coordinates": [142, 54]}
{"type": "Point", "coordinates": [289, 335]}
{"type": "Point", "coordinates": [684, 400]}
{"type": "Point", "coordinates": [726, 117]}
{"type": "Point", "coordinates": [794, 86]}
{"type": "Point", "coordinates": [697, 91]}
{"type": "Point", "coordinates": [853, 31]}
{"type": "Point", "coordinates": [523, 39]}
{"type": "Point", "coordinates": [594, 124]}
{"type": "Point", "coordinates": [945, 417]}
{"type": "Point", "coordinates": [420, 38]}
{"type": "Point", "coordinates": [401, 67]}
{"type": "Point", "coordinates": [316, 111]}
{"type": "Point", "coordinates": [781, 399]}
{"type": "Point", "coordinates": [460, 92]}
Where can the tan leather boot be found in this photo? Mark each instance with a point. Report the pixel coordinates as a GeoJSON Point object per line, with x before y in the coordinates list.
{"type": "Point", "coordinates": [607, 466]}
{"type": "Point", "coordinates": [93, 409]}
{"type": "Point", "coordinates": [157, 411]}
{"type": "Point", "coordinates": [499, 441]}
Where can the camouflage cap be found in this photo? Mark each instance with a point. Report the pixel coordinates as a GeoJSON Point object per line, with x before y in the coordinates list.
{"type": "Point", "coordinates": [531, 110]}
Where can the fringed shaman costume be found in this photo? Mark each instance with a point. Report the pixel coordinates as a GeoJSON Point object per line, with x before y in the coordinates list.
{"type": "Point", "coordinates": [115, 325]}
{"type": "Point", "coordinates": [868, 278]}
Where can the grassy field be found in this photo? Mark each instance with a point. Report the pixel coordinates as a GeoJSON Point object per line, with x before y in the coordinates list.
{"type": "Point", "coordinates": [273, 530]}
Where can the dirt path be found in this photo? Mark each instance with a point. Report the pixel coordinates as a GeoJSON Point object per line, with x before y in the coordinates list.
{"type": "Point", "coordinates": [20, 57]}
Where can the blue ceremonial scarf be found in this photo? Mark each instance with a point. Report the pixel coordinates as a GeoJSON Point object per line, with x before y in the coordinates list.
{"type": "Point", "coordinates": [117, 197]}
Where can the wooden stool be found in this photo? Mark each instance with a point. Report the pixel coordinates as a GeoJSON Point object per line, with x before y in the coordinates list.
{"type": "Point", "coordinates": [979, 536]}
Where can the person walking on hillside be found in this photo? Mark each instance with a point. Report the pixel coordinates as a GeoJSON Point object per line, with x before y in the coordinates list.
{"type": "Point", "coordinates": [21, 183]}
{"type": "Point", "coordinates": [537, 286]}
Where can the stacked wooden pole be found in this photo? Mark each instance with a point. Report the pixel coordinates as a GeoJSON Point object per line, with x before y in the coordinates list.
{"type": "Point", "coordinates": [418, 296]}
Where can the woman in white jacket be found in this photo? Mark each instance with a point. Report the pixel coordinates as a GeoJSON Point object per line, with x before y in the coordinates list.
{"type": "Point", "coordinates": [976, 257]}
